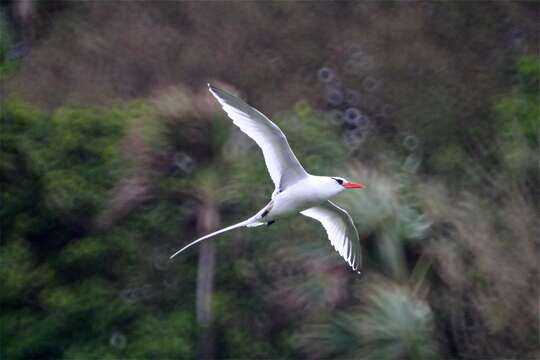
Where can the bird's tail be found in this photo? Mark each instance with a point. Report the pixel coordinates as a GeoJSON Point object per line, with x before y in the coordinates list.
{"type": "Point", "coordinates": [249, 222]}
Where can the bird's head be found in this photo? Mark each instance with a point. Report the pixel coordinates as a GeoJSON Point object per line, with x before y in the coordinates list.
{"type": "Point", "coordinates": [343, 183]}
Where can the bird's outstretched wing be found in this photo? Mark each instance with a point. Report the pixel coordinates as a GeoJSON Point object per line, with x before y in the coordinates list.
{"type": "Point", "coordinates": [282, 164]}
{"type": "Point", "coordinates": [341, 231]}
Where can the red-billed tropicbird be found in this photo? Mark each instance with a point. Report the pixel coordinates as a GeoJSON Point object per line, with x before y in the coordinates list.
{"type": "Point", "coordinates": [296, 190]}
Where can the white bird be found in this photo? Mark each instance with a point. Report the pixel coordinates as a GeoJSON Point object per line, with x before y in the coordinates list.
{"type": "Point", "coordinates": [296, 191]}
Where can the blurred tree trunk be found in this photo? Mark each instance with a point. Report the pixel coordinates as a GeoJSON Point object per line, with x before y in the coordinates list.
{"type": "Point", "coordinates": [207, 221]}
{"type": "Point", "coordinates": [23, 13]}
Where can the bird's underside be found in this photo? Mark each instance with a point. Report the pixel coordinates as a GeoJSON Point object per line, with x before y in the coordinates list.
{"type": "Point", "coordinates": [296, 190]}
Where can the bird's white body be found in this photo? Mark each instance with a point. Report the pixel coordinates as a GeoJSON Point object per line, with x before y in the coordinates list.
{"type": "Point", "coordinates": [296, 190]}
{"type": "Point", "coordinates": [304, 194]}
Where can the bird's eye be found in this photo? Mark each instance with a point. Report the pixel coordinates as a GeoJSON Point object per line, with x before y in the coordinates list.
{"type": "Point", "coordinates": [339, 181]}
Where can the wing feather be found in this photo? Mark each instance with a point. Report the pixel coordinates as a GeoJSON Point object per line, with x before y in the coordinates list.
{"type": "Point", "coordinates": [282, 164]}
{"type": "Point", "coordinates": [340, 230]}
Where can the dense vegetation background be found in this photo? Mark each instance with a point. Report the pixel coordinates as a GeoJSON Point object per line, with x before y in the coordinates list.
{"type": "Point", "coordinates": [114, 155]}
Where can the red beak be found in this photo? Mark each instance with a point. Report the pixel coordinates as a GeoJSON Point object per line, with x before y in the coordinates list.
{"type": "Point", "coordinates": [351, 185]}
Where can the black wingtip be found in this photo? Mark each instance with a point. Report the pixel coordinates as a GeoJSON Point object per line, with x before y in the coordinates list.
{"type": "Point", "coordinates": [213, 89]}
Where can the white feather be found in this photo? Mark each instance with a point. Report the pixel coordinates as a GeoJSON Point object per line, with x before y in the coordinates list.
{"type": "Point", "coordinates": [248, 223]}
{"type": "Point", "coordinates": [340, 229]}
{"type": "Point", "coordinates": [282, 164]}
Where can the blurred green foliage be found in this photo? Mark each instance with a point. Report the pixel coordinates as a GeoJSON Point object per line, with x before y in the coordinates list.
{"type": "Point", "coordinates": [395, 325]}
{"type": "Point", "coordinates": [518, 117]}
{"type": "Point", "coordinates": [61, 278]}
{"type": "Point", "coordinates": [108, 291]}
{"type": "Point", "coordinates": [7, 64]}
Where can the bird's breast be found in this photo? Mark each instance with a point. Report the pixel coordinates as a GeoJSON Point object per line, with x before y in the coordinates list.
{"type": "Point", "coordinates": [298, 197]}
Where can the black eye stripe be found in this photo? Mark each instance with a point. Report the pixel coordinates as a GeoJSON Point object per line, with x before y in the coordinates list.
{"type": "Point", "coordinates": [339, 181]}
